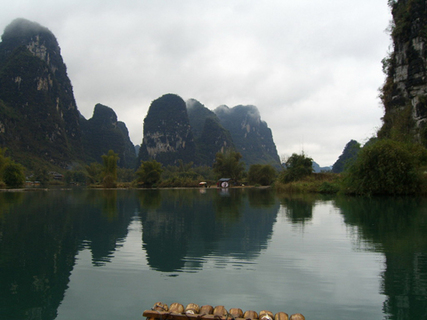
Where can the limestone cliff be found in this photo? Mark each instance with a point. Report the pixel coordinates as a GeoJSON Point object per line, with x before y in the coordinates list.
{"type": "Point", "coordinates": [209, 135]}
{"type": "Point", "coordinates": [167, 132]}
{"type": "Point", "coordinates": [103, 132]}
{"type": "Point", "coordinates": [196, 134]}
{"type": "Point", "coordinates": [39, 116]}
{"type": "Point", "coordinates": [404, 93]}
{"type": "Point", "coordinates": [348, 156]}
{"type": "Point", "coordinates": [39, 119]}
{"type": "Point", "coordinates": [251, 136]}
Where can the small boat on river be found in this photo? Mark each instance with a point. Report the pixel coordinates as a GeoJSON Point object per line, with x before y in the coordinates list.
{"type": "Point", "coordinates": [176, 311]}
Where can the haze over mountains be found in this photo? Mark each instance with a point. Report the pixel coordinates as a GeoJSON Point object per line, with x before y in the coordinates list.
{"type": "Point", "coordinates": [40, 122]}
{"type": "Point", "coordinates": [169, 133]}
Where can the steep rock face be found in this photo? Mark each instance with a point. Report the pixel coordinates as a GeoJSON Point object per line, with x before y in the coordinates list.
{"type": "Point", "coordinates": [129, 157]}
{"type": "Point", "coordinates": [38, 112]}
{"type": "Point", "coordinates": [102, 133]}
{"type": "Point", "coordinates": [348, 155]}
{"type": "Point", "coordinates": [251, 136]}
{"type": "Point", "coordinates": [209, 135]}
{"type": "Point", "coordinates": [167, 132]}
{"type": "Point", "coordinates": [197, 114]}
{"type": "Point", "coordinates": [404, 93]}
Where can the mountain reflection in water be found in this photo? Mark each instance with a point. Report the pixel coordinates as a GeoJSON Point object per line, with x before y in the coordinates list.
{"type": "Point", "coordinates": [242, 248]}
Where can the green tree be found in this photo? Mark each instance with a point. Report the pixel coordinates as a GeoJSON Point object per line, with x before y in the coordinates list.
{"type": "Point", "coordinates": [149, 173]}
{"type": "Point", "coordinates": [41, 175]}
{"type": "Point", "coordinates": [13, 174]}
{"type": "Point", "coordinates": [125, 175]}
{"type": "Point", "coordinates": [68, 177]}
{"type": "Point", "coordinates": [3, 160]}
{"type": "Point", "coordinates": [261, 174]}
{"type": "Point", "coordinates": [94, 172]}
{"type": "Point", "coordinates": [206, 172]}
{"type": "Point", "coordinates": [387, 167]}
{"type": "Point", "coordinates": [76, 176]}
{"type": "Point", "coordinates": [110, 169]}
{"type": "Point", "coordinates": [228, 165]}
{"type": "Point", "coordinates": [297, 167]}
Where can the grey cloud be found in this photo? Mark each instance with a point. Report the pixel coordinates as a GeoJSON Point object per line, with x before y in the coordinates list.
{"type": "Point", "coordinates": [312, 68]}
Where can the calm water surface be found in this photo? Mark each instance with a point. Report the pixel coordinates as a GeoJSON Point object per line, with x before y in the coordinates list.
{"type": "Point", "coordinates": [93, 254]}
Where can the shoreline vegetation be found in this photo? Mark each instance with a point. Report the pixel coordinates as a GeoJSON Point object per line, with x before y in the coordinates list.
{"type": "Point", "coordinates": [381, 167]}
{"type": "Point", "coordinates": [315, 183]}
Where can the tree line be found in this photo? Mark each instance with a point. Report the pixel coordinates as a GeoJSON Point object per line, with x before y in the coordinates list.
{"type": "Point", "coordinates": [381, 166]}
{"type": "Point", "coordinates": [149, 174]}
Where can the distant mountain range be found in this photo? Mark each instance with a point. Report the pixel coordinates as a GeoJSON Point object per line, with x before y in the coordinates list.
{"type": "Point", "coordinates": [40, 123]}
{"type": "Point", "coordinates": [175, 130]}
{"type": "Point", "coordinates": [317, 168]}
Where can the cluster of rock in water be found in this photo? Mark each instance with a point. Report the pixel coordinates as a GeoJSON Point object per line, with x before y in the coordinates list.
{"type": "Point", "coordinates": [176, 311]}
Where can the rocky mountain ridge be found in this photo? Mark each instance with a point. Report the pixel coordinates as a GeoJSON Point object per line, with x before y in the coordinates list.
{"type": "Point", "coordinates": [40, 122]}
{"type": "Point", "coordinates": [103, 132]}
{"type": "Point", "coordinates": [404, 93]}
{"type": "Point", "coordinates": [251, 135]}
{"type": "Point", "coordinates": [167, 132]}
{"type": "Point", "coordinates": [39, 113]}
{"type": "Point", "coordinates": [39, 118]}
{"type": "Point", "coordinates": [169, 128]}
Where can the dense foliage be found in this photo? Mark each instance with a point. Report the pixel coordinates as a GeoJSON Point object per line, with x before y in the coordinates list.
{"type": "Point", "coordinates": [261, 174]}
{"type": "Point", "coordinates": [11, 173]}
{"type": "Point", "coordinates": [387, 167]}
{"type": "Point", "coordinates": [3, 160]}
{"type": "Point", "coordinates": [297, 167]}
{"type": "Point", "coordinates": [185, 175]}
{"type": "Point", "coordinates": [228, 165]}
{"type": "Point", "coordinates": [94, 172]}
{"type": "Point", "coordinates": [77, 177]}
{"type": "Point", "coordinates": [149, 173]}
{"type": "Point", "coordinates": [110, 169]}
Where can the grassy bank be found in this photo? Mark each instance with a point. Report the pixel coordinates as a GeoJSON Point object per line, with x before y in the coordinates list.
{"type": "Point", "coordinates": [314, 183]}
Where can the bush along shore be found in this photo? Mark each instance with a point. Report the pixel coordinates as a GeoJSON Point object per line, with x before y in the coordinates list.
{"type": "Point", "coordinates": [381, 167]}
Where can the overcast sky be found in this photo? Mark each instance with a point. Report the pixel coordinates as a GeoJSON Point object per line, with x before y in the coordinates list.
{"type": "Point", "coordinates": [313, 68]}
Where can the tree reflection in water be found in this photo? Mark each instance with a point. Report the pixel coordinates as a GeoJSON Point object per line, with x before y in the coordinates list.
{"type": "Point", "coordinates": [398, 228]}
{"type": "Point", "coordinates": [41, 233]}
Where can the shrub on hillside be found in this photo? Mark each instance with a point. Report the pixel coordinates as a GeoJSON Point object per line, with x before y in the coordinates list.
{"type": "Point", "coordinates": [263, 175]}
{"type": "Point", "coordinates": [13, 175]}
{"type": "Point", "coordinates": [298, 166]}
{"type": "Point", "coordinates": [387, 167]}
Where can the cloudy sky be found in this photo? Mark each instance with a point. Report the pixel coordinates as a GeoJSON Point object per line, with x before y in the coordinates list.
{"type": "Point", "coordinates": [313, 68]}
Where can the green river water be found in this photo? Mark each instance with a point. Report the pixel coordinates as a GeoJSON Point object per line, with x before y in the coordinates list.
{"type": "Point", "coordinates": [96, 254]}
